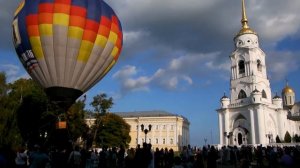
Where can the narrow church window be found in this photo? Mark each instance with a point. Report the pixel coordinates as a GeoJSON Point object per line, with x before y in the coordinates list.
{"type": "Point", "coordinates": [259, 66]}
{"type": "Point", "coordinates": [285, 100]}
{"type": "Point", "coordinates": [264, 95]}
{"type": "Point", "coordinates": [242, 95]}
{"type": "Point", "coordinates": [241, 66]}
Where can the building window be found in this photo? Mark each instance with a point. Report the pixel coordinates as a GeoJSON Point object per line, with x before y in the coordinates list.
{"type": "Point", "coordinates": [259, 66]}
{"type": "Point", "coordinates": [242, 95]}
{"type": "Point", "coordinates": [164, 141]}
{"type": "Point", "coordinates": [241, 67]}
{"type": "Point", "coordinates": [264, 95]}
{"type": "Point", "coordinates": [156, 141]}
{"type": "Point", "coordinates": [171, 141]}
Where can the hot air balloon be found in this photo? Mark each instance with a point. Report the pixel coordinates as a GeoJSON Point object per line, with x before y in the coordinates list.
{"type": "Point", "coordinates": [67, 46]}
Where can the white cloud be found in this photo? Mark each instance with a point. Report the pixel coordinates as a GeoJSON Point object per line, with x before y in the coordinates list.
{"type": "Point", "coordinates": [13, 72]}
{"type": "Point", "coordinates": [125, 72]}
{"type": "Point", "coordinates": [178, 74]}
{"type": "Point", "coordinates": [280, 64]}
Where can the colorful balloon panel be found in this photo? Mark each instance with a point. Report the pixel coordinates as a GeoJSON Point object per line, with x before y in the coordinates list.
{"type": "Point", "coordinates": [67, 44]}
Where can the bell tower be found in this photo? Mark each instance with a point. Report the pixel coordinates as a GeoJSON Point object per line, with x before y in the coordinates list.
{"type": "Point", "coordinates": [248, 66]}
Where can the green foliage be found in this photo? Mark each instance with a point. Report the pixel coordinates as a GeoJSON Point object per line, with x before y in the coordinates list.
{"type": "Point", "coordinates": [112, 131]}
{"type": "Point", "coordinates": [3, 85]}
{"type": "Point", "coordinates": [101, 103]}
{"type": "Point", "coordinates": [76, 123]}
{"type": "Point", "coordinates": [9, 133]}
{"type": "Point", "coordinates": [287, 137]}
{"type": "Point", "coordinates": [278, 139]}
{"type": "Point", "coordinates": [296, 138]}
{"type": "Point", "coordinates": [32, 114]}
{"type": "Point", "coordinates": [27, 116]}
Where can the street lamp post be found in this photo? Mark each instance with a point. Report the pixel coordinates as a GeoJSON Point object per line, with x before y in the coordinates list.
{"type": "Point", "coordinates": [269, 136]}
{"type": "Point", "coordinates": [146, 130]}
{"type": "Point", "coordinates": [228, 135]}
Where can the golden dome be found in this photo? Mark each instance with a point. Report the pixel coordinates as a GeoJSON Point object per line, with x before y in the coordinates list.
{"type": "Point", "coordinates": [287, 89]}
{"type": "Point", "coordinates": [245, 28]}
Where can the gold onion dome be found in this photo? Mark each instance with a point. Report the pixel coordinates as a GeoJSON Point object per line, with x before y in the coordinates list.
{"type": "Point", "coordinates": [287, 90]}
{"type": "Point", "coordinates": [245, 28]}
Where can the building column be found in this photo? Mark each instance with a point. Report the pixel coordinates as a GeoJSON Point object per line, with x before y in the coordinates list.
{"type": "Point", "coordinates": [226, 125]}
{"type": "Point", "coordinates": [167, 138]}
{"type": "Point", "coordinates": [252, 133]}
{"type": "Point", "coordinates": [235, 73]}
{"type": "Point", "coordinates": [261, 125]}
{"type": "Point", "coordinates": [221, 131]}
{"type": "Point", "coordinates": [176, 132]}
{"type": "Point", "coordinates": [138, 131]}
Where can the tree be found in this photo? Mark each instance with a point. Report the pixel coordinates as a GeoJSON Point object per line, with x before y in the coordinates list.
{"type": "Point", "coordinates": [35, 115]}
{"type": "Point", "coordinates": [296, 138]}
{"type": "Point", "coordinates": [287, 137]}
{"type": "Point", "coordinates": [76, 123]}
{"type": "Point", "coordinates": [278, 139]}
{"type": "Point", "coordinates": [8, 127]}
{"type": "Point", "coordinates": [113, 131]}
{"type": "Point", "coordinates": [3, 85]}
{"type": "Point", "coordinates": [101, 103]}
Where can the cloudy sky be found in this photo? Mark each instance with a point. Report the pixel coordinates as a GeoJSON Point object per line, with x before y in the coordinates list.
{"type": "Point", "coordinates": [176, 54]}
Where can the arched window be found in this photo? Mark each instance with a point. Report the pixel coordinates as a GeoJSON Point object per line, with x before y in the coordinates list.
{"type": "Point", "coordinates": [242, 94]}
{"type": "Point", "coordinates": [264, 95]}
{"type": "Point", "coordinates": [259, 66]}
{"type": "Point", "coordinates": [241, 67]}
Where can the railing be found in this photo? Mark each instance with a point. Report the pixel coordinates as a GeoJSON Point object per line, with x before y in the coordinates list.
{"type": "Point", "coordinates": [294, 117]}
{"type": "Point", "coordinates": [239, 104]}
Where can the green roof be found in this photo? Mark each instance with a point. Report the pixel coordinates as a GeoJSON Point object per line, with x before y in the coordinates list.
{"type": "Point", "coordinates": [145, 114]}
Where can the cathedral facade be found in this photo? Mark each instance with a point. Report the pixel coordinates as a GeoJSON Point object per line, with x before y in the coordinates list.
{"type": "Point", "coordinates": [252, 114]}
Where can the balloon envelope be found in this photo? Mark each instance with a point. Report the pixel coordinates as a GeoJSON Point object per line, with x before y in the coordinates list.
{"type": "Point", "coordinates": [67, 45]}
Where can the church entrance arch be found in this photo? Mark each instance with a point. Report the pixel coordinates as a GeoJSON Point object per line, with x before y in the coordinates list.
{"type": "Point", "coordinates": [240, 136]}
{"type": "Point", "coordinates": [240, 139]}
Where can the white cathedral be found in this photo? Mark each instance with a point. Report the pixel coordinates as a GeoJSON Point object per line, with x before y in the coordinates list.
{"type": "Point", "coordinates": [251, 115]}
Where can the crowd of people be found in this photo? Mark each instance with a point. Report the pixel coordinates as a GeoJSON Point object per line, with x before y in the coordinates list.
{"type": "Point", "coordinates": [146, 157]}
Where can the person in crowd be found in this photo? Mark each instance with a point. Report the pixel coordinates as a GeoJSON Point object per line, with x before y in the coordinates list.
{"type": "Point", "coordinates": [121, 157]}
{"type": "Point", "coordinates": [129, 159]}
{"type": "Point", "coordinates": [59, 158]}
{"type": "Point", "coordinates": [74, 160]}
{"type": "Point", "coordinates": [38, 158]}
{"type": "Point", "coordinates": [177, 162]}
{"type": "Point", "coordinates": [112, 158]}
{"type": "Point", "coordinates": [286, 160]}
{"type": "Point", "coordinates": [212, 157]}
{"type": "Point", "coordinates": [21, 158]}
{"type": "Point", "coordinates": [103, 157]}
{"type": "Point", "coordinates": [94, 158]}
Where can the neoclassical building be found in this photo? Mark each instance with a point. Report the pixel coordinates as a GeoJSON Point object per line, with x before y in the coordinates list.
{"type": "Point", "coordinates": [167, 130]}
{"type": "Point", "coordinates": [250, 115]}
